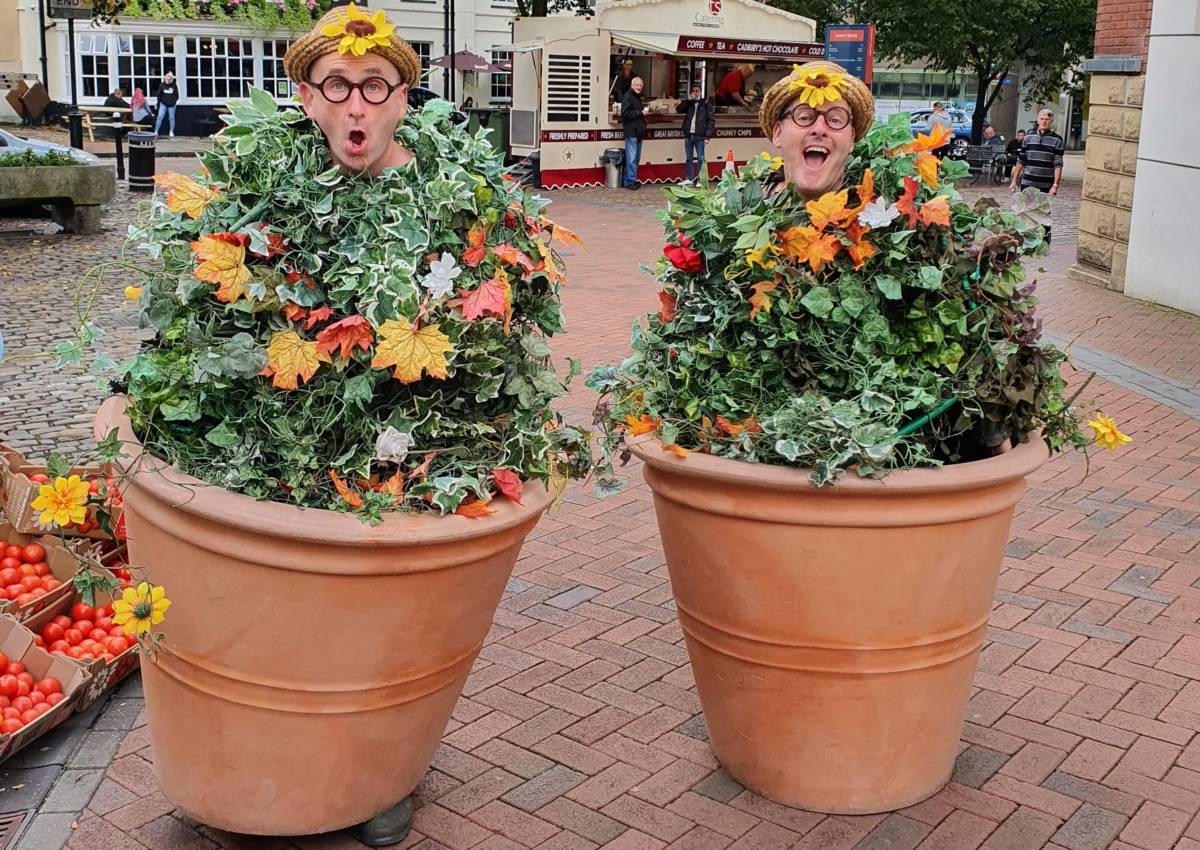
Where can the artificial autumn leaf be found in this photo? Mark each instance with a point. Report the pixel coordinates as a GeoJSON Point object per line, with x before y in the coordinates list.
{"type": "Point", "coordinates": [760, 301]}
{"type": "Point", "coordinates": [936, 211]}
{"type": "Point", "coordinates": [927, 167]}
{"type": "Point", "coordinates": [185, 195]}
{"type": "Point", "coordinates": [905, 203]}
{"type": "Point", "coordinates": [553, 271]}
{"type": "Point", "coordinates": [345, 335]}
{"type": "Point", "coordinates": [474, 508]}
{"type": "Point", "coordinates": [348, 496]}
{"type": "Point", "coordinates": [667, 311]}
{"type": "Point", "coordinates": [276, 244]}
{"type": "Point", "coordinates": [294, 312]}
{"type": "Point", "coordinates": [566, 237]}
{"type": "Point", "coordinates": [411, 351]}
{"type": "Point", "coordinates": [511, 256]}
{"type": "Point", "coordinates": [509, 482]}
{"type": "Point", "coordinates": [476, 251]}
{"type": "Point", "coordinates": [827, 209]}
{"type": "Point", "coordinates": [493, 296]}
{"type": "Point", "coordinates": [678, 451]}
{"type": "Point", "coordinates": [860, 252]}
{"type": "Point", "coordinates": [423, 468]}
{"type": "Point", "coordinates": [866, 194]}
{"type": "Point", "coordinates": [644, 424]}
{"type": "Point", "coordinates": [748, 425]}
{"type": "Point", "coordinates": [316, 316]}
{"type": "Point", "coordinates": [223, 263]}
{"type": "Point", "coordinates": [292, 360]}
{"type": "Point", "coordinates": [938, 137]}
{"type": "Point", "coordinates": [807, 245]}
{"type": "Point", "coordinates": [393, 486]}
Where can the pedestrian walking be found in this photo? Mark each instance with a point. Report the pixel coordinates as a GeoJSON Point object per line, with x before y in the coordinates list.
{"type": "Point", "coordinates": [941, 118]}
{"type": "Point", "coordinates": [1011, 152]}
{"type": "Point", "coordinates": [167, 97]}
{"type": "Point", "coordinates": [633, 122]}
{"type": "Point", "coordinates": [1040, 162]}
{"type": "Point", "coordinates": [698, 126]}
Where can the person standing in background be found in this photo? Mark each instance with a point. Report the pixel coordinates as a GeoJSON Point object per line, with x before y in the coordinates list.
{"type": "Point", "coordinates": [1011, 152]}
{"type": "Point", "coordinates": [168, 98]}
{"type": "Point", "coordinates": [940, 118]}
{"type": "Point", "coordinates": [698, 125]}
{"type": "Point", "coordinates": [732, 89]}
{"type": "Point", "coordinates": [1040, 163]}
{"type": "Point", "coordinates": [622, 81]}
{"type": "Point", "coordinates": [633, 122]}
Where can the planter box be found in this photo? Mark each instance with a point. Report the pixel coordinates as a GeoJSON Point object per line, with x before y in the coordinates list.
{"type": "Point", "coordinates": [17, 493]}
{"type": "Point", "coordinates": [75, 193]}
{"type": "Point", "coordinates": [63, 567]}
{"type": "Point", "coordinates": [16, 642]}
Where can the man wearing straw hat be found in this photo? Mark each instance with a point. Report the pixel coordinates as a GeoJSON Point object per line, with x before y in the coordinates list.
{"type": "Point", "coordinates": [354, 73]}
{"type": "Point", "coordinates": [814, 116]}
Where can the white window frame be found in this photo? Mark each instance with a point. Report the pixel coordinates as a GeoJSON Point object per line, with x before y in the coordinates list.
{"type": "Point", "coordinates": [281, 86]}
{"type": "Point", "coordinates": [150, 81]}
{"type": "Point", "coordinates": [503, 78]}
{"type": "Point", "coordinates": [93, 46]}
{"type": "Point", "coordinates": [424, 51]}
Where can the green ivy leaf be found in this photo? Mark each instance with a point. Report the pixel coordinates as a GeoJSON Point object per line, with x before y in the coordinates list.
{"type": "Point", "coordinates": [818, 301]}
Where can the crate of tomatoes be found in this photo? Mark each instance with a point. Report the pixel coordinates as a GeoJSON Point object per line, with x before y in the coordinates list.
{"type": "Point", "coordinates": [35, 573]}
{"type": "Point", "coordinates": [21, 483]}
{"type": "Point", "coordinates": [38, 691]}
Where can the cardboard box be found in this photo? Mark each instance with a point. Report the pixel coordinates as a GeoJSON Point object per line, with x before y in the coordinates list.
{"type": "Point", "coordinates": [19, 492]}
{"type": "Point", "coordinates": [16, 642]}
{"type": "Point", "coordinates": [63, 566]}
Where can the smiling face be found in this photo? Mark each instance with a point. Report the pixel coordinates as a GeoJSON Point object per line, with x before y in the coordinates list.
{"type": "Point", "coordinates": [360, 135]}
{"type": "Point", "coordinates": [637, 85]}
{"type": "Point", "coordinates": [814, 157]}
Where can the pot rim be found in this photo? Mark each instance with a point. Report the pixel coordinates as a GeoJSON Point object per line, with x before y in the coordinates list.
{"type": "Point", "coordinates": [185, 493]}
{"type": "Point", "coordinates": [1010, 466]}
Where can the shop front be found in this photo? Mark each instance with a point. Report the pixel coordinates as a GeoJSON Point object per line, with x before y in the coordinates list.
{"type": "Point", "coordinates": [566, 81]}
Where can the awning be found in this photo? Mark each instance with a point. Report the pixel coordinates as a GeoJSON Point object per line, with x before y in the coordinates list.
{"type": "Point", "coordinates": [520, 46]}
{"type": "Point", "coordinates": [653, 42]}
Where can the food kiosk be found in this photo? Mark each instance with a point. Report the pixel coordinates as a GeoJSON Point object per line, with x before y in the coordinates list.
{"type": "Point", "coordinates": [565, 70]}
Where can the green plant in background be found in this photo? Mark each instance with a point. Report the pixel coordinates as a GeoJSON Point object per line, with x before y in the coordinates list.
{"type": "Point", "coordinates": [881, 327]}
{"type": "Point", "coordinates": [29, 157]}
{"type": "Point", "coordinates": [262, 15]}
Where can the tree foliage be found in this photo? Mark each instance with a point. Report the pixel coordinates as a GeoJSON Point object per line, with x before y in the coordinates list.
{"type": "Point", "coordinates": [986, 37]}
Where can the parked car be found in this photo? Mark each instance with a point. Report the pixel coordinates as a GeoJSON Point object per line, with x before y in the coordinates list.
{"type": "Point", "coordinates": [14, 144]}
{"type": "Point", "coordinates": [960, 122]}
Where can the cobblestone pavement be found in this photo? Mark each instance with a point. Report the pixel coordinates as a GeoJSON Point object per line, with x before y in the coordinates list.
{"type": "Point", "coordinates": [580, 725]}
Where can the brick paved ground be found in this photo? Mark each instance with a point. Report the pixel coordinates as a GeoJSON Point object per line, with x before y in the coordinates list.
{"type": "Point", "coordinates": [580, 725]}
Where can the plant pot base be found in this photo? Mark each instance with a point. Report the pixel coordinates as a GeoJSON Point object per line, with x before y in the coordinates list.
{"type": "Point", "coordinates": [388, 827]}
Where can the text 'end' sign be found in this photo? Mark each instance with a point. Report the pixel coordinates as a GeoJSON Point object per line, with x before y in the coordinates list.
{"type": "Point", "coordinates": [69, 8]}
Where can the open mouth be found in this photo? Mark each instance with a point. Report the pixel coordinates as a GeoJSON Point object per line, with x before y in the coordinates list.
{"type": "Point", "coordinates": [815, 155]}
{"type": "Point", "coordinates": [356, 142]}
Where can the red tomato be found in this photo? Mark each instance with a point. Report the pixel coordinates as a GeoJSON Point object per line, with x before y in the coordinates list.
{"type": "Point", "coordinates": [10, 712]}
{"type": "Point", "coordinates": [105, 623]}
{"type": "Point", "coordinates": [22, 704]}
{"type": "Point", "coordinates": [55, 699]}
{"type": "Point", "coordinates": [41, 708]}
{"type": "Point", "coordinates": [98, 634]}
{"type": "Point", "coordinates": [41, 568]}
{"type": "Point", "coordinates": [30, 582]}
{"type": "Point", "coordinates": [24, 599]}
{"type": "Point", "coordinates": [50, 686]}
{"type": "Point", "coordinates": [104, 611]}
{"type": "Point", "coordinates": [59, 646]}
{"type": "Point", "coordinates": [51, 583]}
{"type": "Point", "coordinates": [117, 644]}
{"type": "Point", "coordinates": [73, 636]}
{"type": "Point", "coordinates": [10, 563]}
{"type": "Point", "coordinates": [39, 642]}
{"type": "Point", "coordinates": [8, 686]}
{"type": "Point", "coordinates": [14, 668]}
{"type": "Point", "coordinates": [92, 648]}
{"type": "Point", "coordinates": [75, 652]}
{"type": "Point", "coordinates": [3, 661]}
{"type": "Point", "coordinates": [26, 677]}
{"type": "Point", "coordinates": [28, 717]}
{"type": "Point", "coordinates": [5, 702]}
{"type": "Point", "coordinates": [37, 696]}
{"type": "Point", "coordinates": [40, 478]}
{"type": "Point", "coordinates": [52, 632]}
{"type": "Point", "coordinates": [63, 621]}
{"type": "Point", "coordinates": [9, 575]}
{"type": "Point", "coordinates": [26, 570]}
{"type": "Point", "coordinates": [109, 658]}
{"type": "Point", "coordinates": [38, 592]}
{"type": "Point", "coordinates": [33, 552]}
{"type": "Point", "coordinates": [80, 611]}
{"type": "Point", "coordinates": [7, 727]}
{"type": "Point", "coordinates": [84, 626]}
{"type": "Point", "coordinates": [10, 550]}
{"type": "Point", "coordinates": [23, 688]}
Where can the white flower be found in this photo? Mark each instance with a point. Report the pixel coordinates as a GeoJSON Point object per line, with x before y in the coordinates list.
{"type": "Point", "coordinates": [878, 214]}
{"type": "Point", "coordinates": [391, 446]}
{"type": "Point", "coordinates": [440, 280]}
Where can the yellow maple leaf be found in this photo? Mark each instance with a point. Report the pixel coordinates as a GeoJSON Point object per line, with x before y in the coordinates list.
{"type": "Point", "coordinates": [552, 270]}
{"type": "Point", "coordinates": [292, 360]}
{"type": "Point", "coordinates": [223, 263]}
{"type": "Point", "coordinates": [185, 195]}
{"type": "Point", "coordinates": [412, 351]}
{"type": "Point", "coordinates": [830, 207]}
{"type": "Point", "coordinates": [760, 300]}
{"type": "Point", "coordinates": [927, 167]}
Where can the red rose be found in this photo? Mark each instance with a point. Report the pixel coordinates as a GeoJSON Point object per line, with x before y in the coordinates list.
{"type": "Point", "coordinates": [683, 257]}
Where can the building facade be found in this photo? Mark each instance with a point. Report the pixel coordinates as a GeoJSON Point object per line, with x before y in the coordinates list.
{"type": "Point", "coordinates": [219, 60]}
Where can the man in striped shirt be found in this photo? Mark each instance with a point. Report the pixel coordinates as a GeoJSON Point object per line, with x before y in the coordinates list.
{"type": "Point", "coordinates": [1040, 162]}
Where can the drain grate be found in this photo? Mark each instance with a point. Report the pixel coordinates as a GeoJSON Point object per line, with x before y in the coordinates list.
{"type": "Point", "coordinates": [9, 826]}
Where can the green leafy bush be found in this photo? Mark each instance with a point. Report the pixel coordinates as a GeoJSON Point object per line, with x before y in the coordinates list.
{"type": "Point", "coordinates": [27, 157]}
{"type": "Point", "coordinates": [263, 15]}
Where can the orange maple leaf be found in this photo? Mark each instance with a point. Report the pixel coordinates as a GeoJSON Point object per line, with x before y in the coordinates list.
{"type": "Point", "coordinates": [552, 270]}
{"type": "Point", "coordinates": [474, 254]}
{"type": "Point", "coordinates": [678, 451]}
{"type": "Point", "coordinates": [748, 425]}
{"type": "Point", "coordinates": [292, 360]}
{"type": "Point", "coordinates": [667, 311]}
{"type": "Point", "coordinates": [807, 245]}
{"type": "Point", "coordinates": [348, 496]}
{"type": "Point", "coordinates": [511, 256]}
{"type": "Point", "coordinates": [905, 203]}
{"type": "Point", "coordinates": [294, 312]}
{"type": "Point", "coordinates": [474, 508]}
{"type": "Point", "coordinates": [760, 300]}
{"type": "Point", "coordinates": [860, 252]}
{"type": "Point", "coordinates": [566, 237]}
{"type": "Point", "coordinates": [939, 137]}
{"type": "Point", "coordinates": [345, 336]}
{"type": "Point", "coordinates": [223, 262]}
{"type": "Point", "coordinates": [509, 483]}
{"type": "Point", "coordinates": [493, 296]}
{"type": "Point", "coordinates": [866, 193]}
{"type": "Point", "coordinates": [641, 425]}
{"type": "Point", "coordinates": [827, 209]}
{"type": "Point", "coordinates": [927, 167]}
{"type": "Point", "coordinates": [936, 212]}
{"type": "Point", "coordinates": [423, 468]}
{"type": "Point", "coordinates": [316, 316]}
{"type": "Point", "coordinates": [185, 195]}
{"type": "Point", "coordinates": [394, 486]}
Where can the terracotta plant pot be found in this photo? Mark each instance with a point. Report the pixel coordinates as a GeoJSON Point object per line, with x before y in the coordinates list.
{"type": "Point", "coordinates": [314, 659]}
{"type": "Point", "coordinates": [834, 631]}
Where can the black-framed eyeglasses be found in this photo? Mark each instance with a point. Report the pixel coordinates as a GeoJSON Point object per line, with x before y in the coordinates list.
{"type": "Point", "coordinates": [374, 90]}
{"type": "Point", "coordinates": [805, 116]}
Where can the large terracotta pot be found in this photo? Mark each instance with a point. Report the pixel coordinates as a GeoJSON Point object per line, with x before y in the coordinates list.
{"type": "Point", "coordinates": [314, 659]}
{"type": "Point", "coordinates": [834, 631]}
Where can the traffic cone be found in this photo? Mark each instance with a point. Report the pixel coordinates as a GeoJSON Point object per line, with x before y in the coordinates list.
{"type": "Point", "coordinates": [729, 160]}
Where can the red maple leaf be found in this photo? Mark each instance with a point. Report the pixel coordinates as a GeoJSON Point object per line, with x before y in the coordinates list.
{"type": "Point", "coordinates": [511, 256]}
{"type": "Point", "coordinates": [667, 312]}
{"type": "Point", "coordinates": [509, 483]}
{"type": "Point", "coordinates": [316, 316]}
{"type": "Point", "coordinates": [345, 335]}
{"type": "Point", "coordinates": [491, 296]}
{"type": "Point", "coordinates": [276, 244]}
{"type": "Point", "coordinates": [474, 255]}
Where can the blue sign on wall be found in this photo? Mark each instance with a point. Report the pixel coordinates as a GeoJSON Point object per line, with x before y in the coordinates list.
{"type": "Point", "coordinates": [853, 47]}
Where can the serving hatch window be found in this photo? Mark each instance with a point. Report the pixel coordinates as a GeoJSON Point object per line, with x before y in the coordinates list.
{"type": "Point", "coordinates": [568, 87]}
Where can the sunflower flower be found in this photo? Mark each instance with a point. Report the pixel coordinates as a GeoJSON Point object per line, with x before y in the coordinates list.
{"type": "Point", "coordinates": [817, 86]}
{"type": "Point", "coordinates": [62, 502]}
{"type": "Point", "coordinates": [140, 608]}
{"type": "Point", "coordinates": [358, 31]}
{"type": "Point", "coordinates": [1107, 434]}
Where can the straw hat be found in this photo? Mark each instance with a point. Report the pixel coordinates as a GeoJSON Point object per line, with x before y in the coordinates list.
{"type": "Point", "coordinates": [819, 82]}
{"type": "Point", "coordinates": [352, 30]}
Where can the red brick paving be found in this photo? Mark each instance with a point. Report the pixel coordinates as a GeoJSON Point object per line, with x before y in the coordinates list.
{"type": "Point", "coordinates": [579, 726]}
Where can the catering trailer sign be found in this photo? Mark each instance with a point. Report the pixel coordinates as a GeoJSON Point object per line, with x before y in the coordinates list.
{"type": "Point", "coordinates": [748, 48]}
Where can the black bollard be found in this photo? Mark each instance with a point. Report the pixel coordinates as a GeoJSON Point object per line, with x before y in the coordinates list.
{"type": "Point", "coordinates": [118, 132]}
{"type": "Point", "coordinates": [75, 126]}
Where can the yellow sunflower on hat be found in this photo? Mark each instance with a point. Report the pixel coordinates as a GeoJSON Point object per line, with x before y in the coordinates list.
{"type": "Point", "coordinates": [817, 86]}
{"type": "Point", "coordinates": [359, 32]}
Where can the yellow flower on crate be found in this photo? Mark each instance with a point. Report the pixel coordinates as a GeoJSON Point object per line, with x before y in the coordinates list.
{"type": "Point", "coordinates": [817, 86]}
{"type": "Point", "coordinates": [1107, 434]}
{"type": "Point", "coordinates": [141, 608]}
{"type": "Point", "coordinates": [358, 31]}
{"type": "Point", "coordinates": [62, 502]}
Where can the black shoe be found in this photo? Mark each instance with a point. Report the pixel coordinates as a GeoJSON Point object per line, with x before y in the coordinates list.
{"type": "Point", "coordinates": [386, 828]}
{"type": "Point", "coordinates": [634, 186]}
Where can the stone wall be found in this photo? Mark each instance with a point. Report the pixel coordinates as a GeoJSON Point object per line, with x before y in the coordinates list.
{"type": "Point", "coordinates": [1114, 125]}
